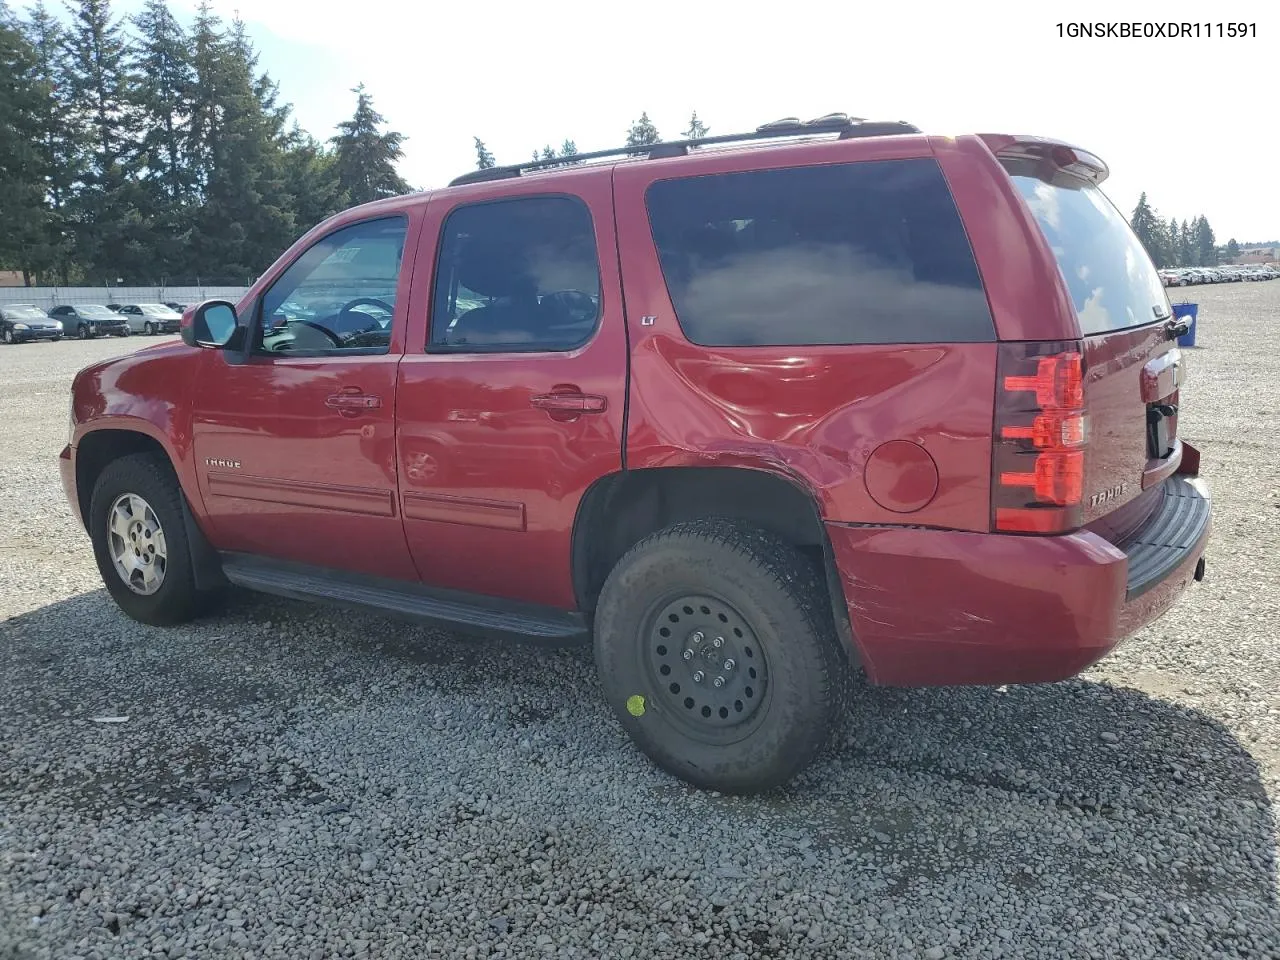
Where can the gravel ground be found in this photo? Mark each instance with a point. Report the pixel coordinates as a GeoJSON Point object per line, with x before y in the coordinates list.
{"type": "Point", "coordinates": [295, 782]}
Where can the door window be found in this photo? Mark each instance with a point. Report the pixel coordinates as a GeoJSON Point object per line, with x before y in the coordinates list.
{"type": "Point", "coordinates": [516, 275]}
{"type": "Point", "coordinates": [339, 297]}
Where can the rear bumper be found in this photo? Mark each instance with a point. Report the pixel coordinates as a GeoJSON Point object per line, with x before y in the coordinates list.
{"type": "Point", "coordinates": [940, 607]}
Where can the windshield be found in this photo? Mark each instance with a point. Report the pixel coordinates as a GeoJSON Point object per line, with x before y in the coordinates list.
{"type": "Point", "coordinates": [25, 313]}
{"type": "Point", "coordinates": [95, 312]}
{"type": "Point", "coordinates": [1113, 283]}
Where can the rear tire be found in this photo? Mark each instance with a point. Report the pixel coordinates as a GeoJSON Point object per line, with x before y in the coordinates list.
{"type": "Point", "coordinates": [149, 498]}
{"type": "Point", "coordinates": [710, 601]}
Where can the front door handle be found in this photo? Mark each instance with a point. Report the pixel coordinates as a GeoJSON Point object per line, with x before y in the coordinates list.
{"type": "Point", "coordinates": [570, 402]}
{"type": "Point", "coordinates": [351, 402]}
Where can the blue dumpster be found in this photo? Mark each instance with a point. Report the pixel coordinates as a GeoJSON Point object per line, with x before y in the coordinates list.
{"type": "Point", "coordinates": [1181, 310]}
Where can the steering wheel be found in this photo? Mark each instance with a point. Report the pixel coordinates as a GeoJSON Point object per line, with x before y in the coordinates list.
{"type": "Point", "coordinates": [346, 307]}
{"type": "Point", "coordinates": [329, 334]}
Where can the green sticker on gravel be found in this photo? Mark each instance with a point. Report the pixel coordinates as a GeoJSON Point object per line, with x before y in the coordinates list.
{"type": "Point", "coordinates": [635, 705]}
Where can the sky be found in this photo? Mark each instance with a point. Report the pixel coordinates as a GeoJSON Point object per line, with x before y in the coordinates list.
{"type": "Point", "coordinates": [1190, 121]}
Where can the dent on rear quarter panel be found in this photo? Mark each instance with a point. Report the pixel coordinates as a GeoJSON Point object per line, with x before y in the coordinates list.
{"type": "Point", "coordinates": [817, 413]}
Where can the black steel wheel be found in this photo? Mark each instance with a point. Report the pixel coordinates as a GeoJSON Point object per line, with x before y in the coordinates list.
{"type": "Point", "coordinates": [715, 647]}
{"type": "Point", "coordinates": [705, 659]}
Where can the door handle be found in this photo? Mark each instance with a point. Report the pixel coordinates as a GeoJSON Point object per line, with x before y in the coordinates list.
{"type": "Point", "coordinates": [570, 402]}
{"type": "Point", "coordinates": [351, 403]}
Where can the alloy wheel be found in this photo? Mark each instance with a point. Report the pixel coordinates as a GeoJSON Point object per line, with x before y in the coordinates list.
{"type": "Point", "coordinates": [135, 541]}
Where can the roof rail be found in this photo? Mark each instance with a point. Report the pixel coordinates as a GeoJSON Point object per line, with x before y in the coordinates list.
{"type": "Point", "coordinates": [847, 127]}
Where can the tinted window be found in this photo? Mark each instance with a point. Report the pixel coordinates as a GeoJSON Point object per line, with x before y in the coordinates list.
{"type": "Point", "coordinates": [516, 275]}
{"type": "Point", "coordinates": [1112, 280]}
{"type": "Point", "coordinates": [339, 296]}
{"type": "Point", "coordinates": [869, 252]}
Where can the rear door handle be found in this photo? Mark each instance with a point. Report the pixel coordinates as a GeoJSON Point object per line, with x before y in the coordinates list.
{"type": "Point", "coordinates": [570, 402]}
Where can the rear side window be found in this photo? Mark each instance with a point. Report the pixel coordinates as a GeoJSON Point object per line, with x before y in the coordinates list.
{"type": "Point", "coordinates": [516, 275]}
{"type": "Point", "coordinates": [854, 253]}
{"type": "Point", "coordinates": [1113, 283]}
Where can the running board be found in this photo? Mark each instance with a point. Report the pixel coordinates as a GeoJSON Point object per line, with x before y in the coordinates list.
{"type": "Point", "coordinates": [471, 613]}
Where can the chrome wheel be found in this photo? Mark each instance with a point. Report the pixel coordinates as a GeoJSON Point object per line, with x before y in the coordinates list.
{"type": "Point", "coordinates": [136, 543]}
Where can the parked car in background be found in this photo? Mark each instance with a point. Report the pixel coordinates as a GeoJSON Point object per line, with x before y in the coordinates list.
{"type": "Point", "coordinates": [151, 318]}
{"type": "Point", "coordinates": [20, 322]}
{"type": "Point", "coordinates": [88, 320]}
{"type": "Point", "coordinates": [174, 305]}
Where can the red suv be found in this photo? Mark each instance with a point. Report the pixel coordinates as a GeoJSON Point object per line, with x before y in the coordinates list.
{"type": "Point", "coordinates": [745, 412]}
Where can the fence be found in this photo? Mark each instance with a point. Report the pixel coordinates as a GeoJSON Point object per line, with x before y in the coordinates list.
{"type": "Point", "coordinates": [47, 297]}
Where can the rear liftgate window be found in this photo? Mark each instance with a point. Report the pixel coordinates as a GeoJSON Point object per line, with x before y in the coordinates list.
{"type": "Point", "coordinates": [871, 252]}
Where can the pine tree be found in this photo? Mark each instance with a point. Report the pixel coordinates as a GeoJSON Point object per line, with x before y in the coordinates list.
{"type": "Point", "coordinates": [642, 133]}
{"type": "Point", "coordinates": [697, 129]}
{"type": "Point", "coordinates": [366, 156]}
{"type": "Point", "coordinates": [60, 152]}
{"type": "Point", "coordinates": [569, 151]}
{"type": "Point", "coordinates": [1171, 243]}
{"type": "Point", "coordinates": [311, 179]}
{"type": "Point", "coordinates": [163, 95]}
{"type": "Point", "coordinates": [22, 177]}
{"type": "Point", "coordinates": [1233, 250]}
{"type": "Point", "coordinates": [1206, 248]}
{"type": "Point", "coordinates": [99, 88]}
{"type": "Point", "coordinates": [1186, 252]}
{"type": "Point", "coordinates": [484, 159]}
{"type": "Point", "coordinates": [1146, 226]}
{"type": "Point", "coordinates": [245, 216]}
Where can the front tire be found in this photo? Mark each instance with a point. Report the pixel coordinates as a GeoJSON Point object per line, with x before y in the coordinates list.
{"type": "Point", "coordinates": [140, 541]}
{"type": "Point", "coordinates": [716, 650]}
{"type": "Point", "coordinates": [149, 328]}
{"type": "Point", "coordinates": [82, 331]}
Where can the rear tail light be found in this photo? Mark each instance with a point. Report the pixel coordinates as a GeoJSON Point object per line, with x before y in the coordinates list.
{"type": "Point", "coordinates": [1041, 433]}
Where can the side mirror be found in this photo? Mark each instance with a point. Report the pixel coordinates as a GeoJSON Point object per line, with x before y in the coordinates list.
{"type": "Point", "coordinates": [210, 324]}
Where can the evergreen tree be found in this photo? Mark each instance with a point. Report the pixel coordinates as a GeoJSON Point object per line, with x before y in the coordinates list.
{"type": "Point", "coordinates": [99, 81]}
{"type": "Point", "coordinates": [1206, 249]}
{"type": "Point", "coordinates": [311, 179]}
{"type": "Point", "coordinates": [569, 151]}
{"type": "Point", "coordinates": [484, 159]}
{"type": "Point", "coordinates": [1233, 250]}
{"type": "Point", "coordinates": [366, 156]}
{"type": "Point", "coordinates": [22, 176]}
{"type": "Point", "coordinates": [642, 133]}
{"type": "Point", "coordinates": [245, 217]}
{"type": "Point", "coordinates": [60, 151]}
{"type": "Point", "coordinates": [1186, 252]}
{"type": "Point", "coordinates": [1171, 243]}
{"type": "Point", "coordinates": [107, 208]}
{"type": "Point", "coordinates": [697, 129]}
{"type": "Point", "coordinates": [166, 81]}
{"type": "Point", "coordinates": [1147, 227]}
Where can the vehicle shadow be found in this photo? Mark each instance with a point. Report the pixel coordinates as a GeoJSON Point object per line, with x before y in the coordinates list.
{"type": "Point", "coordinates": [1085, 809]}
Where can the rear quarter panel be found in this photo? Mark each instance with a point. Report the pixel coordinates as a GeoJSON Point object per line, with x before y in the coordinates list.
{"type": "Point", "coordinates": [813, 414]}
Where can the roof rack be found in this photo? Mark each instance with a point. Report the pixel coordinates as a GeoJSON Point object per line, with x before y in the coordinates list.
{"type": "Point", "coordinates": [847, 127]}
